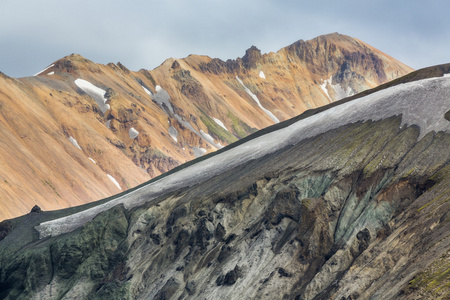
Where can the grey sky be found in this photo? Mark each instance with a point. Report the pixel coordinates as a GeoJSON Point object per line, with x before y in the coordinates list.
{"type": "Point", "coordinates": [142, 34]}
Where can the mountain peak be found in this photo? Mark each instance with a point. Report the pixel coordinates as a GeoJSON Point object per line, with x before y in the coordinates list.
{"type": "Point", "coordinates": [251, 57]}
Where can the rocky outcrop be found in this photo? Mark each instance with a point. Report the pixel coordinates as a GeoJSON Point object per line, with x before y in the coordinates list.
{"type": "Point", "coordinates": [359, 211]}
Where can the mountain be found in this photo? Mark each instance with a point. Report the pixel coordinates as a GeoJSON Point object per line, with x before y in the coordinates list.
{"type": "Point", "coordinates": [80, 131]}
{"type": "Point", "coordinates": [347, 201]}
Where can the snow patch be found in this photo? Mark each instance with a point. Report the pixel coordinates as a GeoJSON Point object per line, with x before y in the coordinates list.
{"type": "Point", "coordinates": [92, 160]}
{"type": "Point", "coordinates": [447, 75]}
{"type": "Point", "coordinates": [261, 74]}
{"type": "Point", "coordinates": [269, 113]}
{"type": "Point", "coordinates": [133, 133]}
{"type": "Point", "coordinates": [199, 151]}
{"type": "Point", "coordinates": [51, 73]}
{"type": "Point", "coordinates": [95, 92]}
{"type": "Point", "coordinates": [74, 142]}
{"type": "Point", "coordinates": [323, 86]}
{"type": "Point", "coordinates": [420, 102]}
{"type": "Point", "coordinates": [147, 91]}
{"type": "Point", "coordinates": [44, 70]}
{"type": "Point", "coordinates": [108, 124]}
{"type": "Point", "coordinates": [162, 98]}
{"type": "Point", "coordinates": [186, 124]}
{"type": "Point", "coordinates": [114, 181]}
{"type": "Point", "coordinates": [220, 123]}
{"type": "Point", "coordinates": [340, 93]}
{"type": "Point", "coordinates": [202, 134]}
{"type": "Point", "coordinates": [173, 133]}
{"type": "Point", "coordinates": [210, 139]}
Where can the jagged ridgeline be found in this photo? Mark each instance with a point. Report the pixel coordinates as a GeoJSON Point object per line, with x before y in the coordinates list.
{"type": "Point", "coordinates": [347, 201]}
{"type": "Point", "coordinates": [80, 131]}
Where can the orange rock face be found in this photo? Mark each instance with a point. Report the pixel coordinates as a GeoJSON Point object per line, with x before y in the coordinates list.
{"type": "Point", "coordinates": [61, 136]}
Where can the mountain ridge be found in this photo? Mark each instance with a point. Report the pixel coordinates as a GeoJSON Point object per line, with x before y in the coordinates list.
{"type": "Point", "coordinates": [133, 126]}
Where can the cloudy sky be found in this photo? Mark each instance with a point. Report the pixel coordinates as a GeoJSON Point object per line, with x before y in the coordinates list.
{"type": "Point", "coordinates": [142, 34]}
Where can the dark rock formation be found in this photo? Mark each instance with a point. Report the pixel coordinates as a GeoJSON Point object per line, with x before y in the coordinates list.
{"type": "Point", "coordinates": [36, 209]}
{"type": "Point", "coordinates": [251, 58]}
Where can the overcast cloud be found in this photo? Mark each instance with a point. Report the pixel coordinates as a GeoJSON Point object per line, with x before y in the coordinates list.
{"type": "Point", "coordinates": [142, 34]}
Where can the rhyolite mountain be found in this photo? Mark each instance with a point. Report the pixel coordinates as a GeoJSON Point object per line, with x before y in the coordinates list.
{"type": "Point", "coordinates": [347, 201]}
{"type": "Point", "coordinates": [80, 131]}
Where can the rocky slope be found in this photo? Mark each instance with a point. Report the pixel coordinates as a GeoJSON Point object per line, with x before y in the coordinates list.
{"type": "Point", "coordinates": [348, 201]}
{"type": "Point", "coordinates": [80, 131]}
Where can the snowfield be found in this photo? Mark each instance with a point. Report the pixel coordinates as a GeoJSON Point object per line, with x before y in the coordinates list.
{"type": "Point", "coordinates": [422, 103]}
{"type": "Point", "coordinates": [262, 75]}
{"type": "Point", "coordinates": [268, 112]}
{"type": "Point", "coordinates": [95, 92]}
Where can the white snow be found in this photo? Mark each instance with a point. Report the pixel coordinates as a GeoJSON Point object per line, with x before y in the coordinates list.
{"type": "Point", "coordinates": [447, 75]}
{"type": "Point", "coordinates": [340, 93]}
{"type": "Point", "coordinates": [261, 74]}
{"type": "Point", "coordinates": [74, 142]}
{"type": "Point", "coordinates": [162, 98]}
{"type": "Point", "coordinates": [199, 151]}
{"type": "Point", "coordinates": [114, 181]}
{"type": "Point", "coordinates": [133, 133]}
{"type": "Point", "coordinates": [173, 133]}
{"type": "Point", "coordinates": [186, 124]}
{"type": "Point", "coordinates": [44, 70]}
{"type": "Point", "coordinates": [220, 123]}
{"type": "Point", "coordinates": [323, 86]}
{"type": "Point", "coordinates": [202, 134]}
{"type": "Point", "coordinates": [210, 139]}
{"type": "Point", "coordinates": [51, 73]}
{"type": "Point", "coordinates": [421, 102]}
{"type": "Point", "coordinates": [269, 113]}
{"type": "Point", "coordinates": [95, 92]}
{"type": "Point", "coordinates": [92, 160]}
{"type": "Point", "coordinates": [147, 91]}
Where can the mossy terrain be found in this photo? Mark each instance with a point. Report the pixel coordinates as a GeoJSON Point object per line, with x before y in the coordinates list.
{"type": "Point", "coordinates": [217, 131]}
{"type": "Point", "coordinates": [434, 281]}
{"type": "Point", "coordinates": [85, 255]}
{"type": "Point", "coordinates": [240, 128]}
